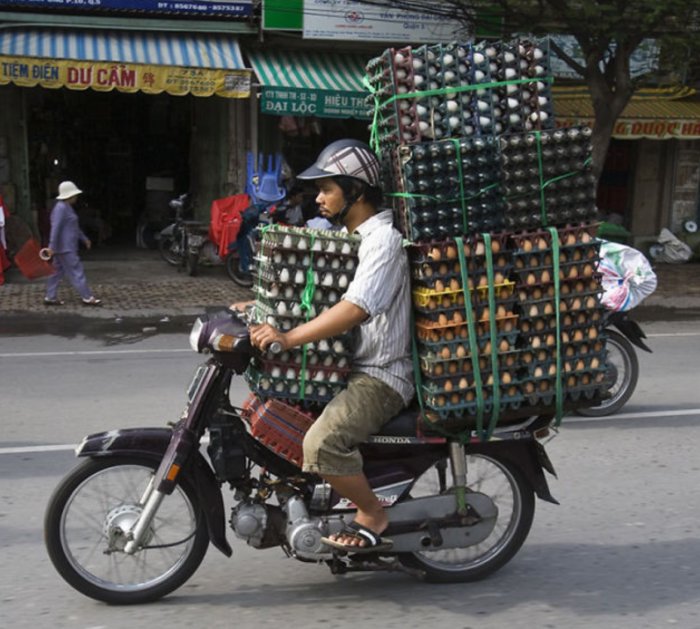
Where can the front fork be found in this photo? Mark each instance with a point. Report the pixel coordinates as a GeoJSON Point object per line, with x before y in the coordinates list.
{"type": "Point", "coordinates": [183, 443]}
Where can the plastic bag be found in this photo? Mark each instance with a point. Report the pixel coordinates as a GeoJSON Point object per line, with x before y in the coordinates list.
{"type": "Point", "coordinates": [672, 249]}
{"type": "Point", "coordinates": [627, 276]}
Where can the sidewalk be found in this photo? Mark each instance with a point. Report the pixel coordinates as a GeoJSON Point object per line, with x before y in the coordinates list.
{"type": "Point", "coordinates": [137, 284]}
{"type": "Point", "coordinates": [132, 283]}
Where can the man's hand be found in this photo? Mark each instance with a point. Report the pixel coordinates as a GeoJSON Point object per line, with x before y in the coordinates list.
{"type": "Point", "coordinates": [263, 335]}
{"type": "Point", "coordinates": [240, 306]}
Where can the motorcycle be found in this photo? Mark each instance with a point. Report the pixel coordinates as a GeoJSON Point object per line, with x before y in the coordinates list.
{"type": "Point", "coordinates": [133, 521]}
{"type": "Point", "coordinates": [183, 243]}
{"type": "Point", "coordinates": [622, 366]}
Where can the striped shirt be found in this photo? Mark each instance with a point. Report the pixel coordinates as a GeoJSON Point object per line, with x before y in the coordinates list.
{"type": "Point", "coordinates": [381, 287]}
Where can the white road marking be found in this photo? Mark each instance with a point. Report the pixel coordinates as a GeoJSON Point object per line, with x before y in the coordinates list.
{"type": "Point", "coordinates": [92, 352]}
{"type": "Point", "coordinates": [673, 334]}
{"type": "Point", "coordinates": [569, 419]}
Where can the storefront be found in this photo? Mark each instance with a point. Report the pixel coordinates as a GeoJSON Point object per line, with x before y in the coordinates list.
{"type": "Point", "coordinates": [652, 171]}
{"type": "Point", "coordinates": [307, 99]}
{"type": "Point", "coordinates": [127, 115]}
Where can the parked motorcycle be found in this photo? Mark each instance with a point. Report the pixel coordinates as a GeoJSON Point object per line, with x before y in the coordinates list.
{"type": "Point", "coordinates": [133, 521]}
{"type": "Point", "coordinates": [182, 243]}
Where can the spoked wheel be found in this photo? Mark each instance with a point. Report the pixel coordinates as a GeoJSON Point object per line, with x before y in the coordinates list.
{"type": "Point", "coordinates": [514, 498]}
{"type": "Point", "coordinates": [170, 249]}
{"type": "Point", "coordinates": [84, 525]}
{"type": "Point", "coordinates": [621, 376]}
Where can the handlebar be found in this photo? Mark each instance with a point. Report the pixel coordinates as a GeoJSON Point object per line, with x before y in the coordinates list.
{"type": "Point", "coordinates": [246, 316]}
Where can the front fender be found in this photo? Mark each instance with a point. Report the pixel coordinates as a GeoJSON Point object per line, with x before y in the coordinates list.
{"type": "Point", "coordinates": [152, 443]}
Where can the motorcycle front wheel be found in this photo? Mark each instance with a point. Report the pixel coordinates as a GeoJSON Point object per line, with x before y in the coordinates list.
{"type": "Point", "coordinates": [170, 249]}
{"type": "Point", "coordinates": [501, 481]}
{"type": "Point", "coordinates": [621, 376]}
{"type": "Point", "coordinates": [85, 521]}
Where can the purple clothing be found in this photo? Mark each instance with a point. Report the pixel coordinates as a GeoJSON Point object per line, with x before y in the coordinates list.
{"type": "Point", "coordinates": [67, 265]}
{"type": "Point", "coordinates": [65, 231]}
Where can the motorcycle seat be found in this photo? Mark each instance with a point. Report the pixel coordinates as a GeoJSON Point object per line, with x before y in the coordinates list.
{"type": "Point", "coordinates": [404, 424]}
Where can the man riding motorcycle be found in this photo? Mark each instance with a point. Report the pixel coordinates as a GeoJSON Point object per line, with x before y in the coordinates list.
{"type": "Point", "coordinates": [378, 303]}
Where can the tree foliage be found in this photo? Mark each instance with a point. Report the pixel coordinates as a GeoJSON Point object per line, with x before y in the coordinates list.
{"type": "Point", "coordinates": [607, 32]}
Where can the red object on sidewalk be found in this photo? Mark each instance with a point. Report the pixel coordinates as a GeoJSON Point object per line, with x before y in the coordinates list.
{"type": "Point", "coordinates": [30, 264]}
{"type": "Point", "coordinates": [4, 264]}
{"type": "Point", "coordinates": [226, 220]}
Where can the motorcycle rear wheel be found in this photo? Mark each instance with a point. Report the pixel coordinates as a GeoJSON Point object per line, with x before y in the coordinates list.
{"type": "Point", "coordinates": [505, 485]}
{"type": "Point", "coordinates": [621, 377]}
{"type": "Point", "coordinates": [90, 507]}
{"type": "Point", "coordinates": [234, 271]}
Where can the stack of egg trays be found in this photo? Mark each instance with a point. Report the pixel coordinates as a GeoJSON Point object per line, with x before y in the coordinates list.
{"type": "Point", "coordinates": [448, 379]}
{"type": "Point", "coordinates": [417, 117]}
{"type": "Point", "coordinates": [520, 106]}
{"type": "Point", "coordinates": [565, 184]}
{"type": "Point", "coordinates": [284, 258]}
{"type": "Point", "coordinates": [390, 74]}
{"type": "Point", "coordinates": [433, 202]}
{"type": "Point", "coordinates": [582, 346]}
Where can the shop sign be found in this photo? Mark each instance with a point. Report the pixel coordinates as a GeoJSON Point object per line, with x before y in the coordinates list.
{"type": "Point", "coordinates": [233, 8]}
{"type": "Point", "coordinates": [379, 21]}
{"type": "Point", "coordinates": [125, 77]}
{"type": "Point", "coordinates": [649, 129]}
{"type": "Point", "coordinates": [290, 101]}
{"type": "Point", "coordinates": [282, 14]}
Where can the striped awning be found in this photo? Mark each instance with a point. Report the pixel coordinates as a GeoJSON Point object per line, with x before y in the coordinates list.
{"type": "Point", "coordinates": [659, 116]}
{"type": "Point", "coordinates": [125, 60]}
{"type": "Point", "coordinates": [311, 84]}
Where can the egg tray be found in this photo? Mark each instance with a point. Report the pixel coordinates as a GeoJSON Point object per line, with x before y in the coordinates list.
{"type": "Point", "coordinates": [580, 232]}
{"type": "Point", "coordinates": [567, 255]}
{"type": "Point", "coordinates": [532, 101]}
{"type": "Point", "coordinates": [431, 323]}
{"type": "Point", "coordinates": [416, 118]}
{"type": "Point", "coordinates": [465, 380]}
{"type": "Point", "coordinates": [454, 297]}
{"type": "Point", "coordinates": [439, 277]}
{"type": "Point", "coordinates": [266, 386]}
{"type": "Point", "coordinates": [567, 288]}
{"type": "Point", "coordinates": [568, 365]}
{"type": "Point", "coordinates": [316, 368]}
{"type": "Point", "coordinates": [339, 263]}
{"type": "Point", "coordinates": [459, 348]}
{"type": "Point", "coordinates": [557, 215]}
{"type": "Point", "coordinates": [540, 308]}
{"type": "Point", "coordinates": [298, 239]}
{"type": "Point", "coordinates": [468, 410]}
{"type": "Point", "coordinates": [268, 278]}
{"type": "Point", "coordinates": [547, 325]}
{"type": "Point", "coordinates": [293, 305]}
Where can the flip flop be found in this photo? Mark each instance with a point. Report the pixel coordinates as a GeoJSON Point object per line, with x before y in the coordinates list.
{"type": "Point", "coordinates": [373, 543]}
{"type": "Point", "coordinates": [53, 302]}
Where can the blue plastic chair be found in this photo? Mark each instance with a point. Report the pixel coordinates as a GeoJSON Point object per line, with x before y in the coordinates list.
{"type": "Point", "coordinates": [264, 187]}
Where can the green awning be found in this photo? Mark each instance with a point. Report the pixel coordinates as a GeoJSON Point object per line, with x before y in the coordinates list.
{"type": "Point", "coordinates": [311, 84]}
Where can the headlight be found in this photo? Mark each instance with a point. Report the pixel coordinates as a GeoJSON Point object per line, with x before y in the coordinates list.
{"type": "Point", "coordinates": [196, 333]}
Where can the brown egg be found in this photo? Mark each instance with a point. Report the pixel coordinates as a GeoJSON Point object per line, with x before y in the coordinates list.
{"type": "Point", "coordinates": [495, 246]}
{"type": "Point", "coordinates": [498, 278]}
{"type": "Point", "coordinates": [542, 243]}
{"type": "Point", "coordinates": [469, 396]}
{"type": "Point", "coordinates": [443, 269]}
{"type": "Point", "coordinates": [546, 277]}
{"type": "Point", "coordinates": [534, 261]}
{"type": "Point", "coordinates": [551, 340]}
{"type": "Point", "coordinates": [439, 286]}
{"type": "Point", "coordinates": [448, 335]}
{"type": "Point", "coordinates": [451, 252]}
{"type": "Point", "coordinates": [580, 365]}
{"type": "Point", "coordinates": [578, 335]}
{"type": "Point", "coordinates": [454, 284]}
{"type": "Point", "coordinates": [529, 387]}
{"type": "Point", "coordinates": [463, 383]}
{"type": "Point", "coordinates": [552, 371]}
{"type": "Point", "coordinates": [571, 381]}
{"type": "Point", "coordinates": [544, 385]}
{"type": "Point", "coordinates": [485, 313]}
{"type": "Point", "coordinates": [536, 342]}
{"type": "Point", "coordinates": [442, 319]}
{"type": "Point", "coordinates": [440, 400]}
{"type": "Point", "coordinates": [483, 281]}
{"type": "Point", "coordinates": [427, 270]}
{"type": "Point", "coordinates": [571, 239]}
{"type": "Point", "coordinates": [531, 280]}
{"type": "Point", "coordinates": [463, 332]}
{"type": "Point", "coordinates": [435, 254]}
{"type": "Point", "coordinates": [538, 372]}
{"type": "Point", "coordinates": [548, 308]}
{"type": "Point", "coordinates": [506, 378]}
{"type": "Point", "coordinates": [587, 270]}
{"type": "Point", "coordinates": [461, 351]}
{"type": "Point", "coordinates": [448, 386]}
{"type": "Point", "coordinates": [438, 369]}
{"type": "Point", "coordinates": [593, 333]}
{"type": "Point", "coordinates": [536, 294]}
{"type": "Point", "coordinates": [526, 358]}
{"type": "Point", "coordinates": [445, 352]}
{"type": "Point", "coordinates": [503, 346]}
{"type": "Point", "coordinates": [573, 272]}
{"type": "Point", "coordinates": [446, 302]}
{"type": "Point", "coordinates": [480, 249]}
{"type": "Point", "coordinates": [595, 363]}
{"type": "Point", "coordinates": [452, 368]}
{"type": "Point", "coordinates": [586, 237]}
{"type": "Point", "coordinates": [457, 317]}
{"type": "Point", "coordinates": [526, 245]}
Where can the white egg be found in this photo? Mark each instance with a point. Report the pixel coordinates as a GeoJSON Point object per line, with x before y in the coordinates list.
{"type": "Point", "coordinates": [319, 377]}
{"type": "Point", "coordinates": [274, 291]}
{"type": "Point", "coordinates": [279, 387]}
{"type": "Point", "coordinates": [271, 320]}
{"type": "Point", "coordinates": [343, 281]}
{"type": "Point", "coordinates": [328, 361]}
{"type": "Point", "coordinates": [276, 372]}
{"type": "Point", "coordinates": [284, 276]}
{"type": "Point", "coordinates": [317, 246]}
{"type": "Point", "coordinates": [328, 279]}
{"type": "Point", "coordinates": [342, 363]}
{"type": "Point", "coordinates": [291, 374]}
{"type": "Point", "coordinates": [302, 245]}
{"type": "Point", "coordinates": [293, 389]}
{"type": "Point", "coordinates": [479, 58]}
{"type": "Point", "coordinates": [333, 377]}
{"type": "Point", "coordinates": [296, 310]}
{"type": "Point", "coordinates": [321, 262]}
{"type": "Point", "coordinates": [277, 258]}
{"type": "Point", "coordinates": [281, 308]}
{"type": "Point", "coordinates": [287, 242]}
{"type": "Point", "coordinates": [332, 296]}
{"type": "Point", "coordinates": [288, 292]}
{"type": "Point", "coordinates": [292, 258]}
{"type": "Point", "coordinates": [264, 384]}
{"type": "Point", "coordinates": [323, 345]}
{"type": "Point", "coordinates": [299, 277]}
{"type": "Point", "coordinates": [346, 248]}
{"type": "Point", "coordinates": [322, 391]}
{"type": "Point", "coordinates": [338, 347]}
{"type": "Point", "coordinates": [330, 247]}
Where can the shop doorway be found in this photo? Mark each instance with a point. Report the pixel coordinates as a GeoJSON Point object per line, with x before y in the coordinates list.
{"type": "Point", "coordinates": [614, 196]}
{"type": "Point", "coordinates": [129, 153]}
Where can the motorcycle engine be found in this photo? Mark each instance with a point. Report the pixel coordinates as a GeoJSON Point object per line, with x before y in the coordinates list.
{"type": "Point", "coordinates": [303, 532]}
{"type": "Point", "coordinates": [261, 526]}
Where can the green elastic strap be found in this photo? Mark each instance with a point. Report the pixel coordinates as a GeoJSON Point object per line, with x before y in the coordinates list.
{"type": "Point", "coordinates": [463, 201]}
{"type": "Point", "coordinates": [540, 169]}
{"type": "Point", "coordinates": [307, 297]}
{"type": "Point", "coordinates": [430, 197]}
{"type": "Point", "coordinates": [496, 410]}
{"type": "Point", "coordinates": [473, 346]}
{"type": "Point", "coordinates": [463, 88]}
{"type": "Point", "coordinates": [373, 130]}
{"type": "Point", "coordinates": [263, 231]}
{"type": "Point", "coordinates": [555, 270]}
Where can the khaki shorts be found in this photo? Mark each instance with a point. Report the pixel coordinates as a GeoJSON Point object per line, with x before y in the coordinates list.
{"type": "Point", "coordinates": [330, 445]}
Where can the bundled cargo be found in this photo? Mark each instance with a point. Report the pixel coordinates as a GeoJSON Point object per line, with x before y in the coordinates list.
{"type": "Point", "coordinates": [302, 273]}
{"type": "Point", "coordinates": [446, 188]}
{"type": "Point", "coordinates": [526, 335]}
{"type": "Point", "coordinates": [459, 90]}
{"type": "Point", "coordinates": [547, 178]}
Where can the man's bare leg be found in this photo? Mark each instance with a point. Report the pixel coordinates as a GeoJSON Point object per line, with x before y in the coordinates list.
{"type": "Point", "coordinates": [370, 512]}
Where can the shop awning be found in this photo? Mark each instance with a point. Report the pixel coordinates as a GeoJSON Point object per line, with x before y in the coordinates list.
{"type": "Point", "coordinates": [656, 115]}
{"type": "Point", "coordinates": [128, 61]}
{"type": "Point", "coordinates": [311, 84]}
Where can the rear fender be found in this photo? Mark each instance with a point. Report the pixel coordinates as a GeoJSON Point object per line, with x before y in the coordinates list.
{"type": "Point", "coordinates": [152, 443]}
{"type": "Point", "coordinates": [630, 328]}
{"type": "Point", "coordinates": [528, 456]}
